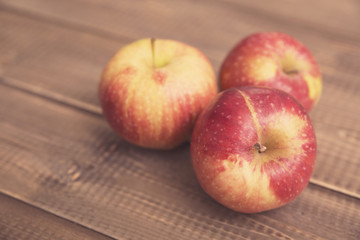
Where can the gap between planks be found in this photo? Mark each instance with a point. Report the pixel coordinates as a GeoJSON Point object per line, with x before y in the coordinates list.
{"type": "Point", "coordinates": [96, 110]}
{"type": "Point", "coordinates": [19, 200]}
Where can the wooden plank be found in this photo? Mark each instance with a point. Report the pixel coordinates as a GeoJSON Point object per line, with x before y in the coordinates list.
{"type": "Point", "coordinates": [38, 52]}
{"type": "Point", "coordinates": [129, 20]}
{"type": "Point", "coordinates": [19, 220]}
{"type": "Point", "coordinates": [71, 164]}
{"type": "Point", "coordinates": [330, 18]}
{"type": "Point", "coordinates": [334, 19]}
{"type": "Point", "coordinates": [45, 59]}
{"type": "Point", "coordinates": [334, 56]}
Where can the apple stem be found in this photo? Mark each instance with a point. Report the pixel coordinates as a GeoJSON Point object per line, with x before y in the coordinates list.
{"type": "Point", "coordinates": [291, 72]}
{"type": "Point", "coordinates": [152, 40]}
{"type": "Point", "coordinates": [259, 147]}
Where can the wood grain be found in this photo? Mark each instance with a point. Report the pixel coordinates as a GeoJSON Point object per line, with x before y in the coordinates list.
{"type": "Point", "coordinates": [28, 45]}
{"type": "Point", "coordinates": [79, 170]}
{"type": "Point", "coordinates": [61, 162]}
{"type": "Point", "coordinates": [322, 17]}
{"type": "Point", "coordinates": [19, 220]}
{"type": "Point", "coordinates": [328, 18]}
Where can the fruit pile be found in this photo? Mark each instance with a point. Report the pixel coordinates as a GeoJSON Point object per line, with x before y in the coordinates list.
{"type": "Point", "coordinates": [253, 146]}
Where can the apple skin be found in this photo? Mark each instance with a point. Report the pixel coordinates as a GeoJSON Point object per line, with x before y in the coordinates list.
{"type": "Point", "coordinates": [152, 91]}
{"type": "Point", "coordinates": [275, 60]}
{"type": "Point", "coordinates": [227, 158]}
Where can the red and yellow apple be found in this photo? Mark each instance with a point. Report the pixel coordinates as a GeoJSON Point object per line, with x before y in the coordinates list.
{"type": "Point", "coordinates": [274, 60]}
{"type": "Point", "coordinates": [253, 148]}
{"type": "Point", "coordinates": [152, 91]}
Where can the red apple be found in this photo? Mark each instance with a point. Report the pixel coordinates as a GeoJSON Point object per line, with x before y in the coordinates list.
{"type": "Point", "coordinates": [152, 91]}
{"type": "Point", "coordinates": [275, 60]}
{"type": "Point", "coordinates": [253, 149]}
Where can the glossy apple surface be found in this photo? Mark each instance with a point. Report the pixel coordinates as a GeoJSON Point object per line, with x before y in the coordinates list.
{"type": "Point", "coordinates": [152, 91]}
{"type": "Point", "coordinates": [253, 149]}
{"type": "Point", "coordinates": [275, 60]}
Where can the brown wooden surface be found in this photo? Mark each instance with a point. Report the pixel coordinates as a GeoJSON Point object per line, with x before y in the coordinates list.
{"type": "Point", "coordinates": [62, 165]}
{"type": "Point", "coordinates": [19, 220]}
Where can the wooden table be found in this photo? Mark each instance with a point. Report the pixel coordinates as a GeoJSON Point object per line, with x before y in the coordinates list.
{"type": "Point", "coordinates": [64, 174]}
